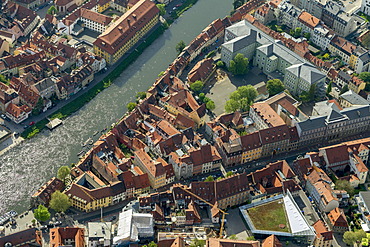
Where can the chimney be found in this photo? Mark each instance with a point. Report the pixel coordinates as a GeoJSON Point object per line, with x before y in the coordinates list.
{"type": "Point", "coordinates": [128, 22]}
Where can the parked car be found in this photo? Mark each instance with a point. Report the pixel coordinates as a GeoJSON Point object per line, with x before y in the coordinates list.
{"type": "Point", "coordinates": [57, 223]}
{"type": "Point", "coordinates": [43, 227]}
{"type": "Point", "coordinates": [3, 116]}
{"type": "Point", "coordinates": [31, 123]}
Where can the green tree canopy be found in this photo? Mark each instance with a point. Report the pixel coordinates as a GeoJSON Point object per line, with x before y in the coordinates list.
{"type": "Point", "coordinates": [210, 105]}
{"type": "Point", "coordinates": [365, 76]}
{"type": "Point", "coordinates": [198, 243]}
{"type": "Point", "coordinates": [141, 95]}
{"type": "Point", "coordinates": [197, 86]}
{"type": "Point", "coordinates": [131, 106]}
{"type": "Point", "coordinates": [345, 185]}
{"type": "Point", "coordinates": [229, 173]}
{"type": "Point", "coordinates": [241, 99]}
{"type": "Point", "coordinates": [3, 79]}
{"type": "Point", "coordinates": [239, 65]}
{"type": "Point", "coordinates": [232, 105]}
{"type": "Point", "coordinates": [238, 3]}
{"type": "Point", "coordinates": [209, 179]}
{"type": "Point", "coordinates": [329, 88]}
{"type": "Point", "coordinates": [296, 33]}
{"type": "Point", "coordinates": [201, 97]}
{"type": "Point", "coordinates": [52, 10]}
{"type": "Point", "coordinates": [41, 213]}
{"type": "Point", "coordinates": [344, 89]}
{"type": "Point", "coordinates": [233, 237]}
{"type": "Point", "coordinates": [307, 36]}
{"type": "Point", "coordinates": [310, 95]}
{"type": "Point", "coordinates": [162, 8]}
{"type": "Point", "coordinates": [59, 201]}
{"type": "Point", "coordinates": [248, 92]}
{"type": "Point", "coordinates": [63, 172]}
{"type": "Point", "coordinates": [151, 244]}
{"type": "Point", "coordinates": [275, 86]}
{"type": "Point", "coordinates": [220, 64]}
{"type": "Point", "coordinates": [180, 46]}
{"type": "Point", "coordinates": [251, 238]}
{"type": "Point", "coordinates": [161, 74]}
{"type": "Point", "coordinates": [350, 237]}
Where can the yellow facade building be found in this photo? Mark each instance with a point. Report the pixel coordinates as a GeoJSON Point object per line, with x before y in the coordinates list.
{"type": "Point", "coordinates": [126, 31]}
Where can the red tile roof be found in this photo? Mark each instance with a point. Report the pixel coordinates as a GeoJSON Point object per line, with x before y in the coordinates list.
{"type": "Point", "coordinates": [309, 20]}
{"type": "Point", "coordinates": [322, 231]}
{"type": "Point", "coordinates": [126, 26]}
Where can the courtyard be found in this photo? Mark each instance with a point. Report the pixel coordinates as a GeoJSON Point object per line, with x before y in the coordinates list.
{"type": "Point", "coordinates": [112, 12]}
{"type": "Point", "coordinates": [223, 84]}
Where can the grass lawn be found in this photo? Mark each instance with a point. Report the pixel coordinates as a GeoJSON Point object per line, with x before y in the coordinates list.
{"type": "Point", "coordinates": [269, 216]}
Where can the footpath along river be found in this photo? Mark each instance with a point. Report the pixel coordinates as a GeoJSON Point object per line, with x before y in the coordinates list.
{"type": "Point", "coordinates": [27, 166]}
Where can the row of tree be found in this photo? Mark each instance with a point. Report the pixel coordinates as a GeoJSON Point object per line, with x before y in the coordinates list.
{"type": "Point", "coordinates": [59, 202]}
{"type": "Point", "coordinates": [197, 87]}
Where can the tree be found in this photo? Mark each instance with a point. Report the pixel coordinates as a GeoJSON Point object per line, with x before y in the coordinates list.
{"type": "Point", "coordinates": [244, 104]}
{"type": "Point", "coordinates": [329, 88]}
{"type": "Point", "coordinates": [131, 106]}
{"type": "Point", "coordinates": [41, 213]}
{"type": "Point", "coordinates": [296, 33]}
{"type": "Point", "coordinates": [235, 95]}
{"type": "Point", "coordinates": [196, 86]}
{"type": "Point", "coordinates": [229, 173]}
{"type": "Point", "coordinates": [201, 97]}
{"type": "Point", "coordinates": [350, 237]}
{"type": "Point", "coordinates": [248, 92]}
{"type": "Point", "coordinates": [162, 9]}
{"type": "Point", "coordinates": [141, 95]}
{"type": "Point", "coordinates": [151, 244]}
{"type": "Point", "coordinates": [198, 243]}
{"type": "Point", "coordinates": [206, 100]}
{"type": "Point", "coordinates": [307, 36]}
{"type": "Point", "coordinates": [275, 86]}
{"type": "Point", "coordinates": [233, 237]}
{"type": "Point", "coordinates": [3, 79]}
{"type": "Point", "coordinates": [365, 76]}
{"type": "Point", "coordinates": [52, 10]}
{"type": "Point", "coordinates": [220, 64]}
{"type": "Point", "coordinates": [161, 74]}
{"type": "Point", "coordinates": [326, 56]}
{"type": "Point", "coordinates": [345, 185]}
{"type": "Point", "coordinates": [38, 107]}
{"type": "Point", "coordinates": [209, 179]}
{"type": "Point", "coordinates": [310, 95]}
{"type": "Point", "coordinates": [251, 238]}
{"type": "Point", "coordinates": [237, 3]}
{"type": "Point", "coordinates": [239, 65]}
{"type": "Point", "coordinates": [59, 201]}
{"type": "Point", "coordinates": [210, 105]}
{"type": "Point", "coordinates": [180, 46]}
{"type": "Point", "coordinates": [232, 105]}
{"type": "Point", "coordinates": [344, 89]}
{"type": "Point", "coordinates": [63, 172]}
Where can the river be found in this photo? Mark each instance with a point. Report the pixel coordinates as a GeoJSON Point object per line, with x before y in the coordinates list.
{"type": "Point", "coordinates": [27, 166]}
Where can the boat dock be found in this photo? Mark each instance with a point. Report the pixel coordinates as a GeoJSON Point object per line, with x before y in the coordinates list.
{"type": "Point", "coordinates": [54, 123]}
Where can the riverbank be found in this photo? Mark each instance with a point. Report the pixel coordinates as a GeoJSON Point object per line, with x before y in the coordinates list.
{"type": "Point", "coordinates": [79, 102]}
{"type": "Point", "coordinates": [82, 100]}
{"type": "Point", "coordinates": [50, 149]}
